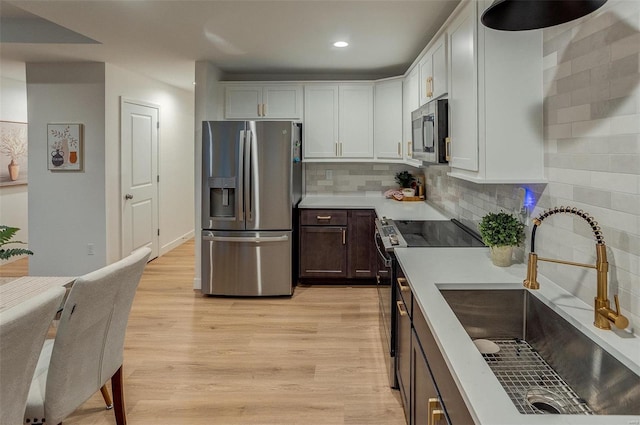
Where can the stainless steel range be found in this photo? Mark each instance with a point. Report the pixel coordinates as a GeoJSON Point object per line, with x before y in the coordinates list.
{"type": "Point", "coordinates": [391, 234]}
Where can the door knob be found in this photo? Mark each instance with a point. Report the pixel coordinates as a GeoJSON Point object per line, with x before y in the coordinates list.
{"type": "Point", "coordinates": [128, 196]}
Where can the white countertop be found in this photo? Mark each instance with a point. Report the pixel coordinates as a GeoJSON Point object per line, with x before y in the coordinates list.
{"type": "Point", "coordinates": [390, 208]}
{"type": "Point", "coordinates": [428, 269]}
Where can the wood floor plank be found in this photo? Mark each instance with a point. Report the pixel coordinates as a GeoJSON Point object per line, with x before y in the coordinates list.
{"type": "Point", "coordinates": [312, 359]}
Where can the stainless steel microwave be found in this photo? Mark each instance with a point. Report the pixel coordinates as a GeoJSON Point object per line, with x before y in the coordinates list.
{"type": "Point", "coordinates": [430, 131]}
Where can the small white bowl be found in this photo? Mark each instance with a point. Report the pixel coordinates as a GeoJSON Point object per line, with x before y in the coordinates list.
{"type": "Point", "coordinates": [408, 192]}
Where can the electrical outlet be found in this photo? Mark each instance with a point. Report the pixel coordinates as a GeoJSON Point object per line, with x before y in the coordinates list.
{"type": "Point", "coordinates": [91, 249]}
{"type": "Point", "coordinates": [328, 174]}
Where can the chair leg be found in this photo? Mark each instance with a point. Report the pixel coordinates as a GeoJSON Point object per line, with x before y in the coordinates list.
{"type": "Point", "coordinates": [117, 388]}
{"type": "Point", "coordinates": [106, 397]}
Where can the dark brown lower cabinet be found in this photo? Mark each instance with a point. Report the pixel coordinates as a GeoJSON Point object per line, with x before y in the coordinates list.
{"type": "Point", "coordinates": [403, 348]}
{"type": "Point", "coordinates": [361, 254]}
{"type": "Point", "coordinates": [323, 251]}
{"type": "Point", "coordinates": [426, 407]}
{"type": "Point", "coordinates": [337, 244]}
{"type": "Point", "coordinates": [429, 393]}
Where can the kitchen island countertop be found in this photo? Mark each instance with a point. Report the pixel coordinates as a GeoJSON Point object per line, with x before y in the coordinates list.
{"type": "Point", "coordinates": [390, 208]}
{"type": "Point", "coordinates": [429, 269]}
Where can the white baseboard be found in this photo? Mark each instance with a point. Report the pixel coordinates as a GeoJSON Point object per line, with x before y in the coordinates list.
{"type": "Point", "coordinates": [176, 242]}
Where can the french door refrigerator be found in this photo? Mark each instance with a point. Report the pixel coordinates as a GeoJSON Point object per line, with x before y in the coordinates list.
{"type": "Point", "coordinates": [252, 183]}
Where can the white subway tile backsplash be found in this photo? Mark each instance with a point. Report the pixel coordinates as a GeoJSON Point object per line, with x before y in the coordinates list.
{"type": "Point", "coordinates": [574, 113]}
{"type": "Point", "coordinates": [550, 60]}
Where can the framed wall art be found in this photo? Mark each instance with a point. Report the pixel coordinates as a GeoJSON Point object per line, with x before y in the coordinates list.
{"type": "Point", "coordinates": [13, 153]}
{"type": "Point", "coordinates": [65, 148]}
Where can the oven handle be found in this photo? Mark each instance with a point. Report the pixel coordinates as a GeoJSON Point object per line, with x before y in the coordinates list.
{"type": "Point", "coordinates": [387, 261]}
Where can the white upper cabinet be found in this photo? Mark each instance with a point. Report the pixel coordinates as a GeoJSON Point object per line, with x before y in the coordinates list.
{"type": "Point", "coordinates": [338, 121]}
{"type": "Point", "coordinates": [264, 101]}
{"type": "Point", "coordinates": [410, 102]}
{"type": "Point", "coordinates": [433, 71]}
{"type": "Point", "coordinates": [387, 135]}
{"type": "Point", "coordinates": [495, 101]}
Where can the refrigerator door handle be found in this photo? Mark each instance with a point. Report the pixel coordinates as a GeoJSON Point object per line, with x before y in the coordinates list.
{"type": "Point", "coordinates": [257, 239]}
{"type": "Point", "coordinates": [250, 182]}
{"type": "Point", "coordinates": [240, 176]}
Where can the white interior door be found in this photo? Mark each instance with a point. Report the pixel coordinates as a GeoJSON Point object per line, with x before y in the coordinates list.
{"type": "Point", "coordinates": [139, 187]}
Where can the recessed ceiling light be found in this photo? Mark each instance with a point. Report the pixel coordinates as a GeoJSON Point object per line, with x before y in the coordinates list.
{"type": "Point", "coordinates": [341, 44]}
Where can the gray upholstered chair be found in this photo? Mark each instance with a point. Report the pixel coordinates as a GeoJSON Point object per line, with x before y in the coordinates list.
{"type": "Point", "coordinates": [23, 329]}
{"type": "Point", "coordinates": [88, 348]}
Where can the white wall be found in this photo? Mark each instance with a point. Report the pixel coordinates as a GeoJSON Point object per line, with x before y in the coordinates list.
{"type": "Point", "coordinates": [208, 101]}
{"type": "Point", "coordinates": [13, 107]}
{"type": "Point", "coordinates": [66, 209]}
{"type": "Point", "coordinates": [176, 151]}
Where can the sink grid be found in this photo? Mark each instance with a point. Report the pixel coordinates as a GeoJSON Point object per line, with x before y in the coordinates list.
{"type": "Point", "coordinates": [519, 369]}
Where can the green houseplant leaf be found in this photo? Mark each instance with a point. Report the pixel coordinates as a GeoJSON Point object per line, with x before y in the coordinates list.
{"type": "Point", "coordinates": [6, 234]}
{"type": "Point", "coordinates": [501, 229]}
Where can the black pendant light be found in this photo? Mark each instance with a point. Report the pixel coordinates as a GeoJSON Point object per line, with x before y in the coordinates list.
{"type": "Point", "coordinates": [520, 15]}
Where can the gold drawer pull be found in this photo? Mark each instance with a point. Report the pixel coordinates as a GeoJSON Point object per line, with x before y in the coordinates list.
{"type": "Point", "coordinates": [434, 412]}
{"type": "Point", "coordinates": [323, 217]}
{"type": "Point", "coordinates": [401, 308]}
{"type": "Point", "coordinates": [402, 284]}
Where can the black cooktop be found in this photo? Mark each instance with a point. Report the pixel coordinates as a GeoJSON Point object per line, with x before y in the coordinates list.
{"type": "Point", "coordinates": [432, 233]}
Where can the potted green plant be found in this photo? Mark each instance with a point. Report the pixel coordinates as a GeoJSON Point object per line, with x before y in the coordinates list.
{"type": "Point", "coordinates": [404, 179]}
{"type": "Point", "coordinates": [6, 234]}
{"type": "Point", "coordinates": [501, 232]}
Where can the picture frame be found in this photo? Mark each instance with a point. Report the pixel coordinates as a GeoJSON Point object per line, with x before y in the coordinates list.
{"type": "Point", "coordinates": [14, 144]}
{"type": "Point", "coordinates": [65, 147]}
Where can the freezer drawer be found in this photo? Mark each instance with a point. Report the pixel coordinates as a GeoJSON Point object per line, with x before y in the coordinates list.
{"type": "Point", "coordinates": [246, 263]}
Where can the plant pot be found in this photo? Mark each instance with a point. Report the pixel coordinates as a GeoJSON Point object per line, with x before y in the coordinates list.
{"type": "Point", "coordinates": [501, 255]}
{"type": "Point", "coordinates": [14, 170]}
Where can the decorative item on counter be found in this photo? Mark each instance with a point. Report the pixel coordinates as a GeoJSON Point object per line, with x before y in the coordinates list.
{"type": "Point", "coordinates": [404, 179]}
{"type": "Point", "coordinates": [501, 232]}
{"type": "Point", "coordinates": [6, 234]}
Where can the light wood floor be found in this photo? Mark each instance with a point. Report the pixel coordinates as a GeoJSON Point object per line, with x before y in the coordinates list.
{"type": "Point", "coordinates": [314, 359]}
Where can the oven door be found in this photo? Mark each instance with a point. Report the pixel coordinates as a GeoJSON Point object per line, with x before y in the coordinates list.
{"type": "Point", "coordinates": [386, 299]}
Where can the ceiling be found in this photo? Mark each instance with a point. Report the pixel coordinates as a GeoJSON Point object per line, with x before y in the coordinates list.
{"type": "Point", "coordinates": [245, 39]}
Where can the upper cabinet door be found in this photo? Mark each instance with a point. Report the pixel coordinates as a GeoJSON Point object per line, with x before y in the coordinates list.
{"type": "Point", "coordinates": [355, 135]}
{"type": "Point", "coordinates": [410, 102]}
{"type": "Point", "coordinates": [463, 89]}
{"type": "Point", "coordinates": [282, 102]}
{"type": "Point", "coordinates": [320, 121]}
{"type": "Point", "coordinates": [439, 66]}
{"type": "Point", "coordinates": [266, 101]}
{"type": "Point", "coordinates": [433, 71]}
{"type": "Point", "coordinates": [426, 78]}
{"type": "Point", "coordinates": [243, 102]}
{"type": "Point", "coordinates": [388, 119]}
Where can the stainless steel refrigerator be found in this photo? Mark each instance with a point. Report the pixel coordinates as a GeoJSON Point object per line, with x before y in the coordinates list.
{"type": "Point", "coordinates": [251, 185]}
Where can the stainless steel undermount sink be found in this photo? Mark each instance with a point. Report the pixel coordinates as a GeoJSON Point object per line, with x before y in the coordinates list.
{"type": "Point", "coordinates": [545, 364]}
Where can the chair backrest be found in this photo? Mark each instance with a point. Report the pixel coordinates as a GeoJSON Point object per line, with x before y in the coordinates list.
{"type": "Point", "coordinates": [23, 329]}
{"type": "Point", "coordinates": [89, 343]}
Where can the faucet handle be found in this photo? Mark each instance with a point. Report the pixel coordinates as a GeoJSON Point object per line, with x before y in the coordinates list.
{"type": "Point", "coordinates": [620, 321]}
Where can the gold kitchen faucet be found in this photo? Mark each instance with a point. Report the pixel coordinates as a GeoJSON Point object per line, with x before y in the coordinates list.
{"type": "Point", "coordinates": [603, 314]}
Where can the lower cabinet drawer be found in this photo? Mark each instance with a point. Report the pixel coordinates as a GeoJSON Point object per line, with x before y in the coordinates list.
{"type": "Point", "coordinates": [323, 217]}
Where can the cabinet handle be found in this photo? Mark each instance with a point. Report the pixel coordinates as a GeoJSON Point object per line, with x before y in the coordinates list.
{"type": "Point", "coordinates": [344, 236]}
{"type": "Point", "coordinates": [259, 109]}
{"type": "Point", "coordinates": [447, 148]}
{"type": "Point", "coordinates": [401, 308]}
{"type": "Point", "coordinates": [264, 109]}
{"type": "Point", "coordinates": [437, 416]}
{"type": "Point", "coordinates": [337, 149]}
{"type": "Point", "coordinates": [323, 217]}
{"type": "Point", "coordinates": [399, 149]}
{"type": "Point", "coordinates": [402, 284]}
{"type": "Point", "coordinates": [409, 149]}
{"type": "Point", "coordinates": [430, 87]}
